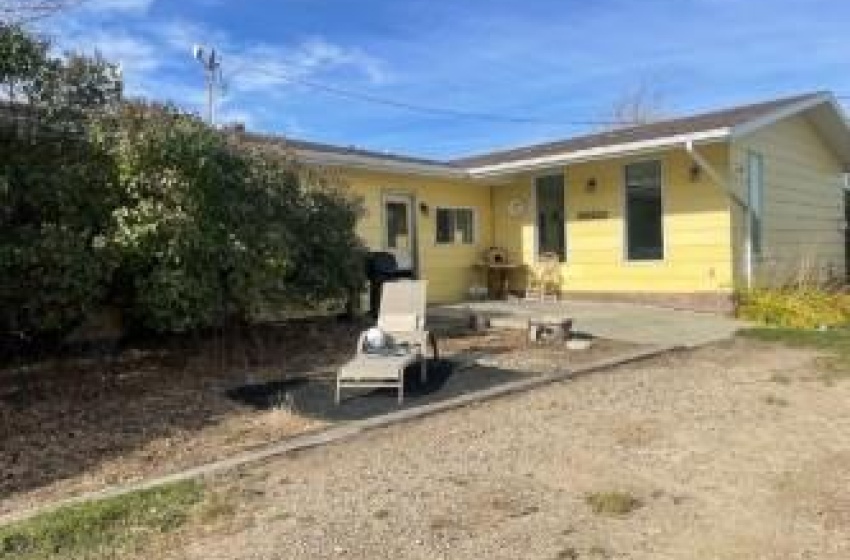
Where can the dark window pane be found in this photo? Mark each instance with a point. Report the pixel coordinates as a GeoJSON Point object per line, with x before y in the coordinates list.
{"type": "Point", "coordinates": [445, 225]}
{"type": "Point", "coordinates": [464, 224]}
{"type": "Point", "coordinates": [755, 188]}
{"type": "Point", "coordinates": [455, 225]}
{"type": "Point", "coordinates": [644, 212]}
{"type": "Point", "coordinates": [551, 227]}
{"type": "Point", "coordinates": [397, 226]}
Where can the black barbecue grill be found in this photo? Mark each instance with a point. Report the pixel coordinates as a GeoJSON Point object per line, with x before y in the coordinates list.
{"type": "Point", "coordinates": [381, 267]}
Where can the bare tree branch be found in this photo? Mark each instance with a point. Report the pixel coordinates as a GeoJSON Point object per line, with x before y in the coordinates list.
{"type": "Point", "coordinates": [640, 105]}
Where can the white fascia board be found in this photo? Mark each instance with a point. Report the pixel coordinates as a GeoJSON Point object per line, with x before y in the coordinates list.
{"type": "Point", "coordinates": [379, 164]}
{"type": "Point", "coordinates": [751, 126]}
{"type": "Point", "coordinates": [603, 152]}
{"type": "Point", "coordinates": [827, 101]}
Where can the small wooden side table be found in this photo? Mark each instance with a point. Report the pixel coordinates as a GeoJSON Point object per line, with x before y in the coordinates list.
{"type": "Point", "coordinates": [498, 277]}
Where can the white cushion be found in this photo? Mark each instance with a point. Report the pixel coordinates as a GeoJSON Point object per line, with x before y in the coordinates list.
{"type": "Point", "coordinates": [374, 367]}
{"type": "Point", "coordinates": [402, 322]}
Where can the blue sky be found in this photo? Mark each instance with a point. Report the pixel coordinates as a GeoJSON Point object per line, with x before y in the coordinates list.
{"type": "Point", "coordinates": [555, 61]}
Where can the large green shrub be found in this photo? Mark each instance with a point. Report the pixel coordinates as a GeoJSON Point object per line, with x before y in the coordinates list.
{"type": "Point", "coordinates": [142, 207]}
{"type": "Point", "coordinates": [167, 231]}
{"type": "Point", "coordinates": [311, 255]}
{"type": "Point", "coordinates": [55, 186]}
{"type": "Point", "coordinates": [209, 229]}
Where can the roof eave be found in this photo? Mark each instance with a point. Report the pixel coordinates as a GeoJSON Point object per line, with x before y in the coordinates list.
{"type": "Point", "coordinates": [385, 165]}
{"type": "Point", "coordinates": [603, 152]}
{"type": "Point", "coordinates": [753, 125]}
{"type": "Point", "coordinates": [833, 125]}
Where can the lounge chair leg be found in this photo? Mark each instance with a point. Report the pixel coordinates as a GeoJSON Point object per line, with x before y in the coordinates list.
{"type": "Point", "coordinates": [401, 388]}
{"type": "Point", "coordinates": [336, 396]}
{"type": "Point", "coordinates": [423, 370]}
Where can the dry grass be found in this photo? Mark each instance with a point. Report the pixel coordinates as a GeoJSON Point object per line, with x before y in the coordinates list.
{"type": "Point", "coordinates": [569, 472]}
{"type": "Point", "coordinates": [80, 423]}
{"type": "Point", "coordinates": [834, 342]}
{"type": "Point", "coordinates": [773, 400]}
{"type": "Point", "coordinates": [216, 507]}
{"type": "Point", "coordinates": [613, 503]}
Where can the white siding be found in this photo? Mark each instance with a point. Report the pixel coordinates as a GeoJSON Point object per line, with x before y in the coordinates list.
{"type": "Point", "coordinates": [803, 205]}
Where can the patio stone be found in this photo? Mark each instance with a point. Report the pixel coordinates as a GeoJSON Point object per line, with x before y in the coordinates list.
{"type": "Point", "coordinates": [626, 322]}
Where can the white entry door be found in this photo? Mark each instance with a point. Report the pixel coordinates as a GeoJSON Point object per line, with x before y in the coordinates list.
{"type": "Point", "coordinates": [400, 230]}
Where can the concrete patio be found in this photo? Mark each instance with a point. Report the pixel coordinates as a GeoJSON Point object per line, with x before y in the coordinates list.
{"type": "Point", "coordinates": [639, 324]}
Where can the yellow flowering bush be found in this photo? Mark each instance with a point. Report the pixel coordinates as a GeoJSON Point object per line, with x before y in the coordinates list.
{"type": "Point", "coordinates": [800, 307]}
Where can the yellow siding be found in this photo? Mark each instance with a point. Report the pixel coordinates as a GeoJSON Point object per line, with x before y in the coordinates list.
{"type": "Point", "coordinates": [697, 228]}
{"type": "Point", "coordinates": [803, 206]}
{"type": "Point", "coordinates": [448, 268]}
{"type": "Point", "coordinates": [703, 234]}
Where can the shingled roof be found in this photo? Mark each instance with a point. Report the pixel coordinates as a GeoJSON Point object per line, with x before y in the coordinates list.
{"type": "Point", "coordinates": [724, 118]}
{"type": "Point", "coordinates": [298, 145]}
{"type": "Point", "coordinates": [713, 124]}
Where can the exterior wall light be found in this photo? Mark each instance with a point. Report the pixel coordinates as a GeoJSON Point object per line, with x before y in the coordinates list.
{"type": "Point", "coordinates": [695, 173]}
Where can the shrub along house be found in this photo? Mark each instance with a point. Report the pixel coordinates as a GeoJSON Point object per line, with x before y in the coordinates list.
{"type": "Point", "coordinates": [683, 211]}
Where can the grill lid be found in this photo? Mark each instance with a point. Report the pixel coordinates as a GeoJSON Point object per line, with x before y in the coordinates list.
{"type": "Point", "coordinates": [381, 263]}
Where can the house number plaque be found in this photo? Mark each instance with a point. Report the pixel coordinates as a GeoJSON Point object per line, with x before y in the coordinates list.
{"type": "Point", "coordinates": [593, 215]}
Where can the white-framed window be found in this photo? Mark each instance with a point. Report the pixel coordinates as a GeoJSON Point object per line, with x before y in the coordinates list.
{"type": "Point", "coordinates": [755, 199]}
{"type": "Point", "coordinates": [455, 225]}
{"type": "Point", "coordinates": [644, 211]}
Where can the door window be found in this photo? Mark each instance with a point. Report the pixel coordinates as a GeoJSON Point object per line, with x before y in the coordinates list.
{"type": "Point", "coordinates": [398, 226]}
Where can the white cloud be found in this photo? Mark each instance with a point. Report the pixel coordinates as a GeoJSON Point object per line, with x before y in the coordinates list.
{"type": "Point", "coordinates": [317, 53]}
{"type": "Point", "coordinates": [266, 67]}
{"type": "Point", "coordinates": [180, 35]}
{"type": "Point", "coordinates": [135, 55]}
{"type": "Point", "coordinates": [155, 56]}
{"type": "Point", "coordinates": [138, 56]}
{"type": "Point", "coordinates": [269, 68]}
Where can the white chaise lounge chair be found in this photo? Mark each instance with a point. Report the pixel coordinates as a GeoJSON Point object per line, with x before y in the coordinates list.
{"type": "Point", "coordinates": [402, 318]}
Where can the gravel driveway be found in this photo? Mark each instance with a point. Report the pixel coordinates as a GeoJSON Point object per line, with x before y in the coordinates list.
{"type": "Point", "coordinates": [735, 452]}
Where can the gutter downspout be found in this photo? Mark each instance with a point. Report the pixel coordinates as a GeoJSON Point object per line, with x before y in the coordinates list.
{"type": "Point", "coordinates": [724, 184]}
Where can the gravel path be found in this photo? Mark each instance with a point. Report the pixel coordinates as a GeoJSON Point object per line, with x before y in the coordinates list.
{"type": "Point", "coordinates": [735, 451]}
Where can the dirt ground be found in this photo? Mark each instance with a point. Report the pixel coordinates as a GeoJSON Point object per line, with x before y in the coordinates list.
{"type": "Point", "coordinates": [508, 350]}
{"type": "Point", "coordinates": [735, 451]}
{"type": "Point", "coordinates": [82, 424]}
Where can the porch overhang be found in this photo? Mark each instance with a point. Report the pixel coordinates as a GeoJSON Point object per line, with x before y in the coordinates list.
{"type": "Point", "coordinates": [598, 153]}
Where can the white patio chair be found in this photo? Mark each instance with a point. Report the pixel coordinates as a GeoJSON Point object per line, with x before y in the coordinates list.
{"type": "Point", "coordinates": [402, 318]}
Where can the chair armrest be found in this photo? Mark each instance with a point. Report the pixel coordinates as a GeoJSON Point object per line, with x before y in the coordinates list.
{"type": "Point", "coordinates": [431, 339]}
{"type": "Point", "coordinates": [361, 340]}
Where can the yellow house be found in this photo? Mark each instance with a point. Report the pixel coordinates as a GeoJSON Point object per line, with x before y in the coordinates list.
{"type": "Point", "coordinates": [683, 211]}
